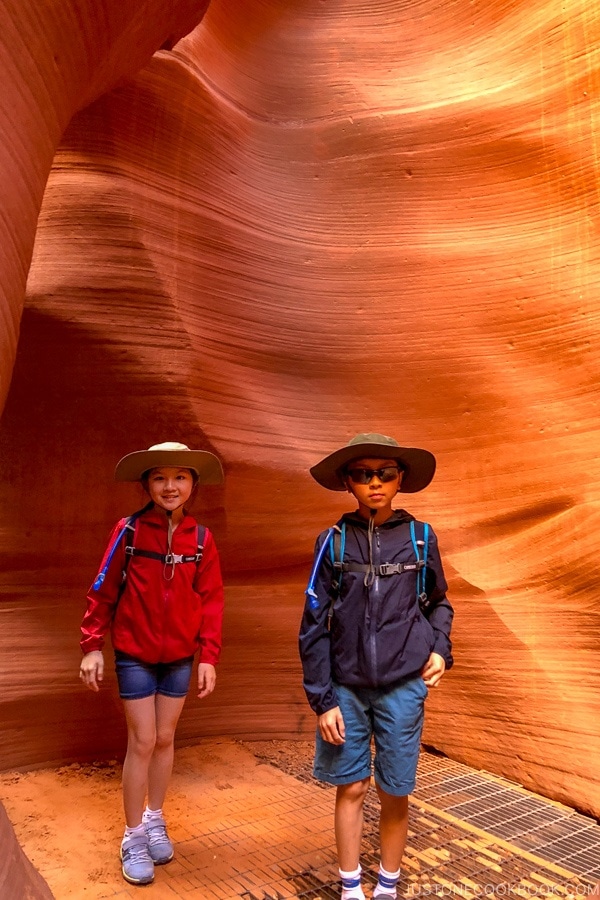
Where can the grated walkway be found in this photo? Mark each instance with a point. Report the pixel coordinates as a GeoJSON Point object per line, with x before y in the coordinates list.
{"type": "Point", "coordinates": [553, 832]}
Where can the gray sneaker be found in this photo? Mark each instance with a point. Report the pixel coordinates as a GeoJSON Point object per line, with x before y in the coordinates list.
{"type": "Point", "coordinates": [138, 867]}
{"type": "Point", "coordinates": [159, 845]}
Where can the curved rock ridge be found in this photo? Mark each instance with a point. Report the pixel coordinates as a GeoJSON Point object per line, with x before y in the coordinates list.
{"type": "Point", "coordinates": [298, 223]}
{"type": "Point", "coordinates": [18, 878]}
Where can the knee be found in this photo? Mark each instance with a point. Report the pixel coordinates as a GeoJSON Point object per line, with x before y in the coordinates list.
{"type": "Point", "coordinates": [141, 744]}
{"type": "Point", "coordinates": [398, 805]}
{"type": "Point", "coordinates": [165, 738]}
{"type": "Point", "coordinates": [353, 793]}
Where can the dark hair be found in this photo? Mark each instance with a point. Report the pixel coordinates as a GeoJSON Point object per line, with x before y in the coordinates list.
{"type": "Point", "coordinates": [145, 475]}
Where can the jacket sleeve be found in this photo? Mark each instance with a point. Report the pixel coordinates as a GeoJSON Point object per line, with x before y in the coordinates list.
{"type": "Point", "coordinates": [314, 640]}
{"type": "Point", "coordinates": [208, 583]}
{"type": "Point", "coordinates": [101, 603]}
{"type": "Point", "coordinates": [440, 612]}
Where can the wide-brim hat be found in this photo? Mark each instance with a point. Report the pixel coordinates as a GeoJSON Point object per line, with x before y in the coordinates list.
{"type": "Point", "coordinates": [418, 465]}
{"type": "Point", "coordinates": [206, 465]}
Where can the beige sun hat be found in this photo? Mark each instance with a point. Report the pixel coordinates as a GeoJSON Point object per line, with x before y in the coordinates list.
{"type": "Point", "coordinates": [418, 465]}
{"type": "Point", "coordinates": [170, 453]}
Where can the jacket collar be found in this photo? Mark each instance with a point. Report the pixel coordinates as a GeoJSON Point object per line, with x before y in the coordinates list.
{"type": "Point", "coordinates": [398, 517]}
{"type": "Point", "coordinates": [157, 519]}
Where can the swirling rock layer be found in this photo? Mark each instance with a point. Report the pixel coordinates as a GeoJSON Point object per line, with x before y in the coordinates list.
{"type": "Point", "coordinates": [300, 222]}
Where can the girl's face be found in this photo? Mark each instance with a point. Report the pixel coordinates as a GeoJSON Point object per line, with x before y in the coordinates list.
{"type": "Point", "coordinates": [170, 487]}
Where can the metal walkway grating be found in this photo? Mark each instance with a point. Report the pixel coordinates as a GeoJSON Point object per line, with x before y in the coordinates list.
{"type": "Point", "coordinates": [469, 856]}
{"type": "Point", "coordinates": [551, 831]}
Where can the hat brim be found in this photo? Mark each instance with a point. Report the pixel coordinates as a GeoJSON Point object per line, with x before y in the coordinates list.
{"type": "Point", "coordinates": [206, 465]}
{"type": "Point", "coordinates": [419, 465]}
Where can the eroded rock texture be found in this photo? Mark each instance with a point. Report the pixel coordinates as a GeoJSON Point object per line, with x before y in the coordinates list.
{"type": "Point", "coordinates": [18, 878]}
{"type": "Point", "coordinates": [302, 221]}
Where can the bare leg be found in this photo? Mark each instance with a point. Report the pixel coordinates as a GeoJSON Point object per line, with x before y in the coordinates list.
{"type": "Point", "coordinates": [393, 829]}
{"type": "Point", "coordinates": [349, 800]}
{"type": "Point", "coordinates": [168, 710]}
{"type": "Point", "coordinates": [141, 738]}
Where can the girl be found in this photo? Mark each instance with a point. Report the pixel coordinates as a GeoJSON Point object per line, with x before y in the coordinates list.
{"type": "Point", "coordinates": [160, 592]}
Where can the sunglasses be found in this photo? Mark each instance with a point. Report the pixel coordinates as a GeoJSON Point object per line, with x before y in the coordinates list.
{"type": "Point", "coordinates": [364, 476]}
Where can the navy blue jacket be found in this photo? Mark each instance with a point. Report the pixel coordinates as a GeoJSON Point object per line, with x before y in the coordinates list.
{"type": "Point", "coordinates": [378, 634]}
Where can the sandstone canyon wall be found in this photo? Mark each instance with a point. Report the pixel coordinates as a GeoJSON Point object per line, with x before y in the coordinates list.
{"type": "Point", "coordinates": [301, 221]}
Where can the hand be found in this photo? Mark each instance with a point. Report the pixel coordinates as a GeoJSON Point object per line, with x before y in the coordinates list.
{"type": "Point", "coordinates": [331, 725]}
{"type": "Point", "coordinates": [207, 678]}
{"type": "Point", "coordinates": [433, 670]}
{"type": "Point", "coordinates": [91, 670]}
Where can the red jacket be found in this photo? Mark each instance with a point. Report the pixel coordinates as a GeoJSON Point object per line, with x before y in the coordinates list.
{"type": "Point", "coordinates": [157, 620]}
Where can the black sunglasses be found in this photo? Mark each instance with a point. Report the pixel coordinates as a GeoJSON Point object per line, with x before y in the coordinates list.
{"type": "Point", "coordinates": [364, 476]}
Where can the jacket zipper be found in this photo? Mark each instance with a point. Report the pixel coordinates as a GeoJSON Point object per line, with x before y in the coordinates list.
{"type": "Point", "coordinates": [374, 593]}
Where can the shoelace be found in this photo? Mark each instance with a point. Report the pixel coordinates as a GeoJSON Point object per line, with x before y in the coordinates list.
{"type": "Point", "coordinates": [157, 834]}
{"type": "Point", "coordinates": [136, 852]}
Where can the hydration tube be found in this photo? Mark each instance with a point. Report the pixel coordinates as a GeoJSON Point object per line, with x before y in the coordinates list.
{"type": "Point", "coordinates": [128, 521]}
{"type": "Point", "coordinates": [311, 596]}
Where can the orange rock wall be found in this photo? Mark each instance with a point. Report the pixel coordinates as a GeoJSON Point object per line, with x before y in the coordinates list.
{"type": "Point", "coordinates": [302, 221]}
{"type": "Point", "coordinates": [18, 878]}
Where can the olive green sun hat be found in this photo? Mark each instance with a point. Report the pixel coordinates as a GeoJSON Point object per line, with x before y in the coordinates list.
{"type": "Point", "coordinates": [418, 465]}
{"type": "Point", "coordinates": [170, 453]}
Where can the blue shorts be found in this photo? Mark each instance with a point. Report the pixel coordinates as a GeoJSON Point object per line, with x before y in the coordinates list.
{"type": "Point", "coordinates": [138, 679]}
{"type": "Point", "coordinates": [393, 717]}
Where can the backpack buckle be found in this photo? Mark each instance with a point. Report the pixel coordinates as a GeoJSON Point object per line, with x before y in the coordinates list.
{"type": "Point", "coordinates": [390, 569]}
{"type": "Point", "coordinates": [172, 559]}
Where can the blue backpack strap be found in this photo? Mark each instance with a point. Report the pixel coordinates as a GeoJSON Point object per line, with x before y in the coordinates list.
{"type": "Point", "coordinates": [128, 527]}
{"type": "Point", "coordinates": [128, 530]}
{"type": "Point", "coordinates": [337, 548]}
{"type": "Point", "coordinates": [311, 595]}
{"type": "Point", "coordinates": [419, 545]}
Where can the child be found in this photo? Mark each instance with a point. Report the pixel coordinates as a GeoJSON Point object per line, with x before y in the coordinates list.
{"type": "Point", "coordinates": [160, 593]}
{"type": "Point", "coordinates": [371, 647]}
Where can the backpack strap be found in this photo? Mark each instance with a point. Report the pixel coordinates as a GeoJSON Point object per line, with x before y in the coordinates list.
{"type": "Point", "coordinates": [130, 527]}
{"type": "Point", "coordinates": [337, 548]}
{"type": "Point", "coordinates": [384, 569]}
{"type": "Point", "coordinates": [422, 563]}
{"type": "Point", "coordinates": [128, 530]}
{"type": "Point", "coordinates": [311, 594]}
{"type": "Point", "coordinates": [169, 559]}
{"type": "Point", "coordinates": [127, 524]}
{"type": "Point", "coordinates": [335, 540]}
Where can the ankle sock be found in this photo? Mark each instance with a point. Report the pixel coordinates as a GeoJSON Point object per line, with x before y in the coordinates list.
{"type": "Point", "coordinates": [151, 814]}
{"type": "Point", "coordinates": [386, 885]}
{"type": "Point", "coordinates": [351, 887]}
{"type": "Point", "coordinates": [138, 831]}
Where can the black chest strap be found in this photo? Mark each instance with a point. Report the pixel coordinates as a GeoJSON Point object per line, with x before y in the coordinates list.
{"type": "Point", "coordinates": [384, 569]}
{"type": "Point", "coordinates": [169, 559]}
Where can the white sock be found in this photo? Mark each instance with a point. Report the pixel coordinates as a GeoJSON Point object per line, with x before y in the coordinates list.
{"type": "Point", "coordinates": [351, 887]}
{"type": "Point", "coordinates": [137, 831]}
{"type": "Point", "coordinates": [151, 814]}
{"type": "Point", "coordinates": [386, 885]}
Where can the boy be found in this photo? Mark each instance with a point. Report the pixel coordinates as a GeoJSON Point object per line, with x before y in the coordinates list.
{"type": "Point", "coordinates": [371, 647]}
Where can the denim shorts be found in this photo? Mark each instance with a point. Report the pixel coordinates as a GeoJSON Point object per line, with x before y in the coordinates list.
{"type": "Point", "coordinates": [138, 679]}
{"type": "Point", "coordinates": [393, 717]}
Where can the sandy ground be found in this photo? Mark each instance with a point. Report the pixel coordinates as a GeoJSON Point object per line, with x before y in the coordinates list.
{"type": "Point", "coordinates": [69, 820]}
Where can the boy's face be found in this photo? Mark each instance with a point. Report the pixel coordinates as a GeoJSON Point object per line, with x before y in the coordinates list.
{"type": "Point", "coordinates": [378, 492]}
